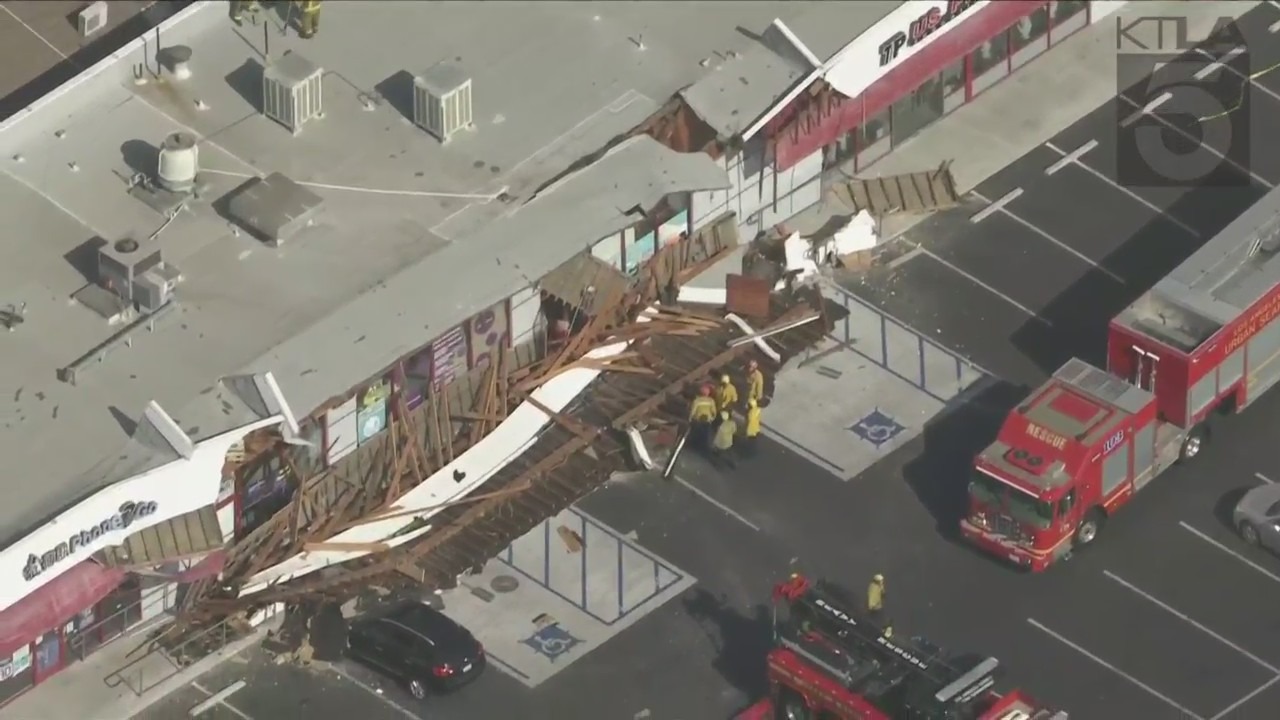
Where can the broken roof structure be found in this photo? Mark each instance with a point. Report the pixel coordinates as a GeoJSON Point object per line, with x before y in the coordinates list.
{"type": "Point", "coordinates": [129, 278]}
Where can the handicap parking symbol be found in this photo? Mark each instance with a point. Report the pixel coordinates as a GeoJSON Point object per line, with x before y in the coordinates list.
{"type": "Point", "coordinates": [877, 428]}
{"type": "Point", "coordinates": [551, 641]}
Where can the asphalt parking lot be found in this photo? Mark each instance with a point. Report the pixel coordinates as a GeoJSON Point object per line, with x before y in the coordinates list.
{"type": "Point", "coordinates": [1169, 616]}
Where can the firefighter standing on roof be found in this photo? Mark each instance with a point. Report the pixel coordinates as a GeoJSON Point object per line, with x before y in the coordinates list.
{"type": "Point", "coordinates": [702, 412]}
{"type": "Point", "coordinates": [722, 445]}
{"type": "Point", "coordinates": [875, 604]}
{"type": "Point", "coordinates": [755, 382]}
{"type": "Point", "coordinates": [310, 22]}
{"type": "Point", "coordinates": [726, 395]}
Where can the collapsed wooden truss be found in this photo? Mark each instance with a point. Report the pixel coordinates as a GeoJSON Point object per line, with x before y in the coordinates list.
{"type": "Point", "coordinates": [670, 349]}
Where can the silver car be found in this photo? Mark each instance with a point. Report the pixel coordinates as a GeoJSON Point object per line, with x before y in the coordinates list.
{"type": "Point", "coordinates": [1257, 517]}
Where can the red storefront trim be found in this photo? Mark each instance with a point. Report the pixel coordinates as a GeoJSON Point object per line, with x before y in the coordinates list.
{"type": "Point", "coordinates": [815, 127]}
{"type": "Point", "coordinates": [55, 603]}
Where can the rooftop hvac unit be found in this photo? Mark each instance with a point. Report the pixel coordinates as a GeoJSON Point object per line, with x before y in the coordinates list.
{"type": "Point", "coordinates": [92, 19]}
{"type": "Point", "coordinates": [137, 273]}
{"type": "Point", "coordinates": [179, 163]}
{"type": "Point", "coordinates": [292, 91]}
{"type": "Point", "coordinates": [442, 101]}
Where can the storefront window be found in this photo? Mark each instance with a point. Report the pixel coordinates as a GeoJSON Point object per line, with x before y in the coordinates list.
{"type": "Point", "coordinates": [417, 378]}
{"type": "Point", "coordinates": [840, 151]}
{"type": "Point", "coordinates": [1029, 36]}
{"type": "Point", "coordinates": [873, 139]}
{"type": "Point", "coordinates": [372, 414]}
{"type": "Point", "coordinates": [450, 356]}
{"type": "Point", "coordinates": [639, 244]}
{"type": "Point", "coordinates": [15, 673]}
{"type": "Point", "coordinates": [1066, 17]}
{"type": "Point", "coordinates": [916, 111]}
{"type": "Point", "coordinates": [609, 250]}
{"type": "Point", "coordinates": [953, 89]}
{"type": "Point", "coordinates": [490, 330]}
{"type": "Point", "coordinates": [990, 62]}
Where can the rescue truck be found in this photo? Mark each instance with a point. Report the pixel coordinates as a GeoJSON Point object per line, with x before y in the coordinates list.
{"type": "Point", "coordinates": [1202, 343]}
{"type": "Point", "coordinates": [830, 661]}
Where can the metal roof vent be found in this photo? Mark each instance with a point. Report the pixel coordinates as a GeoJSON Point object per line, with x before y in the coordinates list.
{"type": "Point", "coordinates": [179, 163]}
{"type": "Point", "coordinates": [442, 101]}
{"type": "Point", "coordinates": [92, 19]}
{"type": "Point", "coordinates": [292, 91]}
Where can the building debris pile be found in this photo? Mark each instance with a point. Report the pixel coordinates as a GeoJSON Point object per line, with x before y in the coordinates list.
{"type": "Point", "coordinates": [671, 349]}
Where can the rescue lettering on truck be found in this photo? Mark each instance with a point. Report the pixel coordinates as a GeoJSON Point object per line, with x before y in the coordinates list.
{"type": "Point", "coordinates": [1203, 342]}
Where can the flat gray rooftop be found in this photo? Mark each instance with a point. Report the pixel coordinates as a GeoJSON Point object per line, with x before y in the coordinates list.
{"type": "Point", "coordinates": [411, 240]}
{"type": "Point", "coordinates": [1221, 280]}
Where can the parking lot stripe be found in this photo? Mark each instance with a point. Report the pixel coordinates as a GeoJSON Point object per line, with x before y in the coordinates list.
{"type": "Point", "coordinates": [1223, 63]}
{"type": "Point", "coordinates": [1198, 141]}
{"type": "Point", "coordinates": [1274, 27]}
{"type": "Point", "coordinates": [1149, 107]}
{"type": "Point", "coordinates": [1264, 478]}
{"type": "Point", "coordinates": [1229, 551]}
{"type": "Point", "coordinates": [218, 698]}
{"type": "Point", "coordinates": [727, 510]}
{"type": "Point", "coordinates": [1070, 157]}
{"type": "Point", "coordinates": [1136, 682]}
{"type": "Point", "coordinates": [374, 692]}
{"type": "Point", "coordinates": [1126, 191]}
{"type": "Point", "coordinates": [1189, 620]}
{"type": "Point", "coordinates": [1044, 234]}
{"type": "Point", "coordinates": [1260, 689]}
{"type": "Point", "coordinates": [993, 207]}
{"type": "Point", "coordinates": [986, 287]}
{"type": "Point", "coordinates": [1218, 63]}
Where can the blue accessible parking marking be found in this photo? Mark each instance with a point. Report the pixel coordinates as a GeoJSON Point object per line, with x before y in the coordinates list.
{"type": "Point", "coordinates": [551, 641]}
{"type": "Point", "coordinates": [877, 428]}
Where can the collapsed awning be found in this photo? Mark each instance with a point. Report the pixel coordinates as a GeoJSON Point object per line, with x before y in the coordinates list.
{"type": "Point", "coordinates": [585, 282]}
{"type": "Point", "coordinates": [184, 537]}
{"type": "Point", "coordinates": [56, 602]}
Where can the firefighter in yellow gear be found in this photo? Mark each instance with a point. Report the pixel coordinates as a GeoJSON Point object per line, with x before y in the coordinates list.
{"type": "Point", "coordinates": [702, 412]}
{"type": "Point", "coordinates": [875, 604]}
{"type": "Point", "coordinates": [722, 444]}
{"type": "Point", "coordinates": [752, 433]}
{"type": "Point", "coordinates": [310, 22]}
{"type": "Point", "coordinates": [755, 382]}
{"type": "Point", "coordinates": [240, 7]}
{"type": "Point", "coordinates": [726, 395]}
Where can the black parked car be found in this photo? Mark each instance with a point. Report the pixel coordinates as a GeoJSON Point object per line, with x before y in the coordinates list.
{"type": "Point", "coordinates": [418, 646]}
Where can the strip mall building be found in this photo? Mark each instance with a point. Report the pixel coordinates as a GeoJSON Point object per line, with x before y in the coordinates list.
{"type": "Point", "coordinates": [920, 61]}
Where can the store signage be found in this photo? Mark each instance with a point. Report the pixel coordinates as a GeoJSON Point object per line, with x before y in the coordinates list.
{"type": "Point", "coordinates": [116, 522]}
{"type": "Point", "coordinates": [922, 27]}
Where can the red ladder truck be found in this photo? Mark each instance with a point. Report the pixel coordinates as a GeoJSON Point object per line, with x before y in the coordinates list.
{"type": "Point", "coordinates": [1203, 342]}
{"type": "Point", "coordinates": [831, 662]}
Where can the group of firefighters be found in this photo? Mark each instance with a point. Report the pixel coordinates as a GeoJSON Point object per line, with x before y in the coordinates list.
{"type": "Point", "coordinates": [712, 423]}
{"type": "Point", "coordinates": [308, 18]}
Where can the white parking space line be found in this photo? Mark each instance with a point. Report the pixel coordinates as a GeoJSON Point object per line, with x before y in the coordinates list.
{"type": "Point", "coordinates": [1195, 140]}
{"type": "Point", "coordinates": [374, 692]}
{"type": "Point", "coordinates": [994, 207]}
{"type": "Point", "coordinates": [1070, 157]}
{"type": "Point", "coordinates": [727, 510]}
{"type": "Point", "coordinates": [1131, 679]}
{"type": "Point", "coordinates": [986, 287]}
{"type": "Point", "coordinates": [999, 206]}
{"type": "Point", "coordinates": [1148, 108]}
{"type": "Point", "coordinates": [1223, 63]}
{"type": "Point", "coordinates": [1218, 63]}
{"type": "Point", "coordinates": [1264, 478]}
{"type": "Point", "coordinates": [1188, 620]}
{"type": "Point", "coordinates": [218, 698]}
{"type": "Point", "coordinates": [1260, 689]}
{"type": "Point", "coordinates": [1124, 190]}
{"type": "Point", "coordinates": [1229, 551]}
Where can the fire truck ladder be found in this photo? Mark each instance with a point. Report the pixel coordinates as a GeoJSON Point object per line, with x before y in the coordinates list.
{"type": "Point", "coordinates": [855, 637]}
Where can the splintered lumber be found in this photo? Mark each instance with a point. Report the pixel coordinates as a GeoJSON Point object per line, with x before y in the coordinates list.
{"type": "Point", "coordinates": [397, 512]}
{"type": "Point", "coordinates": [573, 542]}
{"type": "Point", "coordinates": [346, 547]}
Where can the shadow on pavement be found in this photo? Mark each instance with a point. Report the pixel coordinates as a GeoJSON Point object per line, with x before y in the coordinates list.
{"type": "Point", "coordinates": [939, 475]}
{"type": "Point", "coordinates": [1222, 510]}
{"type": "Point", "coordinates": [742, 641]}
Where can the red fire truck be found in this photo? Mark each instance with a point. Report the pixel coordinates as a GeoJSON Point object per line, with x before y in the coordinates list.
{"type": "Point", "coordinates": [1203, 342]}
{"type": "Point", "coordinates": [830, 661]}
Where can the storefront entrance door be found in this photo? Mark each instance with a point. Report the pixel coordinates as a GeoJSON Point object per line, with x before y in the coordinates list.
{"type": "Point", "coordinates": [50, 657]}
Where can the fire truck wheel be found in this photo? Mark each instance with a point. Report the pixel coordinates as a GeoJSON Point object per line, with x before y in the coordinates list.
{"type": "Point", "coordinates": [1193, 443]}
{"type": "Point", "coordinates": [794, 707]}
{"type": "Point", "coordinates": [1088, 529]}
